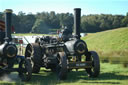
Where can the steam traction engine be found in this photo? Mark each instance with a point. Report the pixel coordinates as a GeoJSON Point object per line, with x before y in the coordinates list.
{"type": "Point", "coordinates": [8, 51]}
{"type": "Point", "coordinates": [77, 52]}
{"type": "Point", "coordinates": [63, 53]}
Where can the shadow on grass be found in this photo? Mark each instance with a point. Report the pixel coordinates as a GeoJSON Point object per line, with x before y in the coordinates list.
{"type": "Point", "coordinates": [75, 76]}
{"type": "Point", "coordinates": [50, 78]}
{"type": "Point", "coordinates": [102, 82]}
{"type": "Point", "coordinates": [103, 76]}
{"type": "Point", "coordinates": [42, 78]}
{"type": "Point", "coordinates": [111, 76]}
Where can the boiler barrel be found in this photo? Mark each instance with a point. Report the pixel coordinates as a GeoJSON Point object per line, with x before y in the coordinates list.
{"type": "Point", "coordinates": [8, 50]}
{"type": "Point", "coordinates": [78, 47]}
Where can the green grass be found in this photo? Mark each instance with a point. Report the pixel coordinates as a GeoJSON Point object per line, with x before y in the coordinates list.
{"type": "Point", "coordinates": [111, 43]}
{"type": "Point", "coordinates": [30, 34]}
{"type": "Point", "coordinates": [111, 74]}
{"type": "Point", "coordinates": [26, 34]}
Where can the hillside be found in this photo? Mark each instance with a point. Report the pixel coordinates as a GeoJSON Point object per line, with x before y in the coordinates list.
{"type": "Point", "coordinates": [111, 43]}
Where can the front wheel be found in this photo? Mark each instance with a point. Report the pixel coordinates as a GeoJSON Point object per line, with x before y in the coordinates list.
{"type": "Point", "coordinates": [95, 70]}
{"type": "Point", "coordinates": [25, 69]}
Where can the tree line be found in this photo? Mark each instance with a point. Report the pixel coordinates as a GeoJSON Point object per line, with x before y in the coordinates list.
{"type": "Point", "coordinates": [45, 22]}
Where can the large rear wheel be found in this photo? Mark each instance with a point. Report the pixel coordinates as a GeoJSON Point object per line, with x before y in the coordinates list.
{"type": "Point", "coordinates": [33, 51]}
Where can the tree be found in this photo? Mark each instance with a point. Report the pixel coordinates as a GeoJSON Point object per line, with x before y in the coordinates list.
{"type": "Point", "coordinates": [1, 16]}
{"type": "Point", "coordinates": [66, 20]}
{"type": "Point", "coordinates": [125, 20]}
{"type": "Point", "coordinates": [25, 22]}
{"type": "Point", "coordinates": [40, 27]}
{"type": "Point", "coordinates": [44, 21]}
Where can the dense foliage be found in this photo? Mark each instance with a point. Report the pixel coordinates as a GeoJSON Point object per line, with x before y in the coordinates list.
{"type": "Point", "coordinates": [45, 22]}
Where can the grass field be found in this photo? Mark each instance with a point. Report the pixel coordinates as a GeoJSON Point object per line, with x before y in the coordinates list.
{"type": "Point", "coordinates": [112, 44]}
{"type": "Point", "coordinates": [31, 34]}
{"type": "Point", "coordinates": [111, 74]}
{"type": "Point", "coordinates": [26, 34]}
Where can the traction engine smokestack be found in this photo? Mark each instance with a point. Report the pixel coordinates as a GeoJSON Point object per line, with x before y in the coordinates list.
{"type": "Point", "coordinates": [8, 14]}
{"type": "Point", "coordinates": [7, 49]}
{"type": "Point", "coordinates": [77, 17]}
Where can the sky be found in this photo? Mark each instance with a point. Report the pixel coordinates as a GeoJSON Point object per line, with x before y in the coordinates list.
{"type": "Point", "coordinates": [63, 6]}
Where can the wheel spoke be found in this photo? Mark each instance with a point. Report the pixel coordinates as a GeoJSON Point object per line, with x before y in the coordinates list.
{"type": "Point", "coordinates": [34, 52]}
{"type": "Point", "coordinates": [62, 67]}
{"type": "Point", "coordinates": [95, 70]}
{"type": "Point", "coordinates": [26, 71]}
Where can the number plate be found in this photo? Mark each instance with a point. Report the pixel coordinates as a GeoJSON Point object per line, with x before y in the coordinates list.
{"type": "Point", "coordinates": [80, 64]}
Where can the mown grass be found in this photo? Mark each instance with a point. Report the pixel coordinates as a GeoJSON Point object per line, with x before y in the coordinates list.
{"type": "Point", "coordinates": [108, 44]}
{"type": "Point", "coordinates": [111, 74]}
{"type": "Point", "coordinates": [31, 34]}
{"type": "Point", "coordinates": [26, 34]}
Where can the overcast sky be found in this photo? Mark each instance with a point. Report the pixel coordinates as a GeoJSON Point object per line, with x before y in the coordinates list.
{"type": "Point", "coordinates": [63, 6]}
